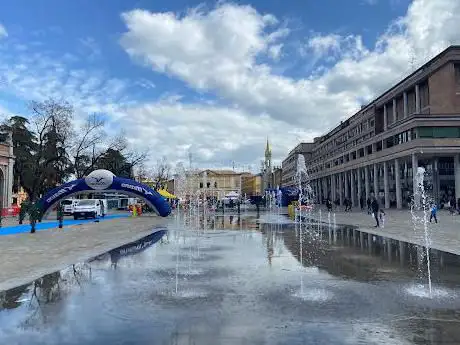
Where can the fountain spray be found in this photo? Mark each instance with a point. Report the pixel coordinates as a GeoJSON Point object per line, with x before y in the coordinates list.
{"type": "Point", "coordinates": [420, 210]}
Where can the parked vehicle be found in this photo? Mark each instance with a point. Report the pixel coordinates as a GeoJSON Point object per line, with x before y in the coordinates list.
{"type": "Point", "coordinates": [89, 208]}
{"type": "Point", "coordinates": [68, 206]}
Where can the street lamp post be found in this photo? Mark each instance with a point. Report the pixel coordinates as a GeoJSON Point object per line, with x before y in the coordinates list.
{"type": "Point", "coordinates": [60, 216]}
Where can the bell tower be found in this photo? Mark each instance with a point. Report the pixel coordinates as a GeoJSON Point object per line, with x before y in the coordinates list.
{"type": "Point", "coordinates": [268, 157]}
{"type": "Point", "coordinates": [267, 171]}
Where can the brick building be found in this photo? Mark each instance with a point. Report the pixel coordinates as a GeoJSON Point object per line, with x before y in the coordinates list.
{"type": "Point", "coordinates": [415, 123]}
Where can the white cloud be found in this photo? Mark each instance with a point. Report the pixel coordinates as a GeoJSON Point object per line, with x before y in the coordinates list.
{"type": "Point", "coordinates": [37, 76]}
{"type": "Point", "coordinates": [214, 134]}
{"type": "Point", "coordinates": [322, 44]}
{"type": "Point", "coordinates": [229, 51]}
{"type": "Point", "coordinates": [145, 83]}
{"type": "Point", "coordinates": [5, 113]}
{"type": "Point", "coordinates": [209, 51]}
{"type": "Point", "coordinates": [213, 51]}
{"type": "Point", "coordinates": [331, 47]}
{"type": "Point", "coordinates": [3, 32]}
{"type": "Point", "coordinates": [91, 48]}
{"type": "Point", "coordinates": [275, 51]}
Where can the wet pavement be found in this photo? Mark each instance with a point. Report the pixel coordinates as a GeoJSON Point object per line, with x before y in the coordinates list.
{"type": "Point", "coordinates": [243, 280]}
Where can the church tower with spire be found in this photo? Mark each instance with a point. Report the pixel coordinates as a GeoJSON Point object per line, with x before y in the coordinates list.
{"type": "Point", "coordinates": [267, 167]}
{"type": "Point", "coordinates": [268, 157]}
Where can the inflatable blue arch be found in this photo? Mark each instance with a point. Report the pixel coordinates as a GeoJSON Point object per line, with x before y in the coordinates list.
{"type": "Point", "coordinates": [104, 180]}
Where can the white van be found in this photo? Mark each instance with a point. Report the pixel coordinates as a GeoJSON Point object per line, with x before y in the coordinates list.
{"type": "Point", "coordinates": [89, 208]}
{"type": "Point", "coordinates": [68, 206]}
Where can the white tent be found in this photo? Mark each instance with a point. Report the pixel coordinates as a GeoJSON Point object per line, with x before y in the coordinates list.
{"type": "Point", "coordinates": [232, 195]}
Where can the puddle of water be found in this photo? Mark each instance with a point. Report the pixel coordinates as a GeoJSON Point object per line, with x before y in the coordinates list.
{"type": "Point", "coordinates": [186, 294]}
{"type": "Point", "coordinates": [423, 291]}
{"type": "Point", "coordinates": [243, 288]}
{"type": "Point", "coordinates": [314, 295]}
{"type": "Point", "coordinates": [269, 218]}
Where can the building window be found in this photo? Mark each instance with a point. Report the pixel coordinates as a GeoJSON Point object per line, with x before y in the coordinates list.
{"type": "Point", "coordinates": [445, 132]}
{"type": "Point", "coordinates": [439, 132]}
{"type": "Point", "coordinates": [369, 149]}
{"type": "Point", "coordinates": [457, 74]}
{"type": "Point", "coordinates": [208, 184]}
{"type": "Point", "coordinates": [424, 95]}
{"type": "Point", "coordinates": [389, 142]}
{"type": "Point", "coordinates": [201, 184]}
{"type": "Point", "coordinates": [425, 132]}
{"type": "Point", "coordinates": [411, 102]}
{"type": "Point", "coordinates": [215, 184]}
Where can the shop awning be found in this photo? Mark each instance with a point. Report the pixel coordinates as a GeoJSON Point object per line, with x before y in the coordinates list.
{"type": "Point", "coordinates": [166, 194]}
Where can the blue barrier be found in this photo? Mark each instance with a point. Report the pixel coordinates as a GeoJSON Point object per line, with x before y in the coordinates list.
{"type": "Point", "coordinates": [46, 225]}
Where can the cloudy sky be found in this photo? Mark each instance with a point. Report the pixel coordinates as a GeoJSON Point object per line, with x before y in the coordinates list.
{"type": "Point", "coordinates": [216, 78]}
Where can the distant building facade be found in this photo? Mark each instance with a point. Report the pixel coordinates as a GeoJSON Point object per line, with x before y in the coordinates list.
{"type": "Point", "coordinates": [208, 183]}
{"type": "Point", "coordinates": [251, 185]}
{"type": "Point", "coordinates": [289, 165]}
{"type": "Point", "coordinates": [277, 177]}
{"type": "Point", "coordinates": [416, 123]}
{"type": "Point", "coordinates": [19, 197]}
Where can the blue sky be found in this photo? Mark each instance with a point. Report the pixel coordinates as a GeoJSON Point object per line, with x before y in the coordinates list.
{"type": "Point", "coordinates": [215, 78]}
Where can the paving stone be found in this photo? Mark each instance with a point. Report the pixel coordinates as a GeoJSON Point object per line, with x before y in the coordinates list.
{"type": "Point", "coordinates": [445, 235]}
{"type": "Point", "coordinates": [25, 257]}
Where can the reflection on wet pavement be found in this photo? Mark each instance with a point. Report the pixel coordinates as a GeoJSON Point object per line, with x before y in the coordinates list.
{"type": "Point", "coordinates": [239, 280]}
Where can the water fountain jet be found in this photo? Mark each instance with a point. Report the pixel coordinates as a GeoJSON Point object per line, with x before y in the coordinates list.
{"type": "Point", "coordinates": [420, 210]}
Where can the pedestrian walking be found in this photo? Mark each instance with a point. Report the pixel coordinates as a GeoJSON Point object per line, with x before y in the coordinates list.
{"type": "Point", "coordinates": [434, 210]}
{"type": "Point", "coordinates": [375, 211]}
{"type": "Point", "coordinates": [361, 203]}
{"type": "Point", "coordinates": [368, 205]}
{"type": "Point", "coordinates": [451, 206]}
{"type": "Point", "coordinates": [382, 215]}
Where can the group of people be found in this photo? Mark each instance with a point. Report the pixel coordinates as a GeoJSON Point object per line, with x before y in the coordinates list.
{"type": "Point", "coordinates": [346, 202]}
{"type": "Point", "coordinates": [373, 208]}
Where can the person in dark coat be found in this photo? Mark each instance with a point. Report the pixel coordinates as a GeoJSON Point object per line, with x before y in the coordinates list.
{"type": "Point", "coordinates": [375, 211]}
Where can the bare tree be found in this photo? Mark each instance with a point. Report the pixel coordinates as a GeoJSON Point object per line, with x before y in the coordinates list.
{"type": "Point", "coordinates": [91, 143]}
{"type": "Point", "coordinates": [161, 172]}
{"type": "Point", "coordinates": [89, 136]}
{"type": "Point", "coordinates": [141, 172]}
{"type": "Point", "coordinates": [135, 158]}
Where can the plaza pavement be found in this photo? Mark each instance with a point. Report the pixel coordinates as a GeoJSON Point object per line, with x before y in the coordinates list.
{"type": "Point", "coordinates": [26, 257]}
{"type": "Point", "coordinates": [445, 235]}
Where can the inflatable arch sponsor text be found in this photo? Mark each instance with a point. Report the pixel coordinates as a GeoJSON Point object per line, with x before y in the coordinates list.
{"type": "Point", "coordinates": [104, 180]}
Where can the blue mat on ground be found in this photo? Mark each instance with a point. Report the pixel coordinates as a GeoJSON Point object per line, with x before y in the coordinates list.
{"type": "Point", "coordinates": [25, 228]}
